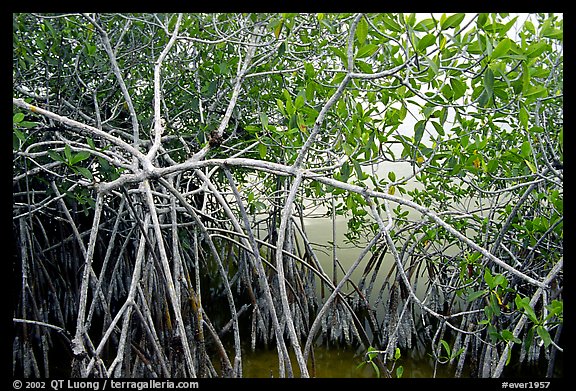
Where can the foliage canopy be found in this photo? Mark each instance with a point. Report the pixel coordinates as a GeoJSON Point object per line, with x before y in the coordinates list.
{"type": "Point", "coordinates": [163, 164]}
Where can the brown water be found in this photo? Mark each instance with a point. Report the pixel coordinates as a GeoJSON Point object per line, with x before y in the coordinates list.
{"type": "Point", "coordinates": [335, 363]}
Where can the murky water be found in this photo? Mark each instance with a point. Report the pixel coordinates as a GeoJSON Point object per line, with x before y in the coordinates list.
{"type": "Point", "coordinates": [336, 362]}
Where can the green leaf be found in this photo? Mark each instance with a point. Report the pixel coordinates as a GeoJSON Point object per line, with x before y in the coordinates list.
{"type": "Point", "coordinates": [501, 280]}
{"type": "Point", "coordinates": [452, 21]}
{"type": "Point", "coordinates": [389, 21]}
{"type": "Point", "coordinates": [537, 91]}
{"type": "Point", "coordinates": [435, 67]}
{"type": "Point", "coordinates": [419, 131]}
{"type": "Point", "coordinates": [555, 34]}
{"type": "Point", "coordinates": [82, 155]}
{"type": "Point", "coordinates": [446, 347]}
{"type": "Point", "coordinates": [484, 98]}
{"type": "Point", "coordinates": [508, 357]}
{"type": "Point", "coordinates": [536, 49]}
{"type": "Point", "coordinates": [489, 279]}
{"type": "Point", "coordinates": [359, 173]}
{"type": "Point", "coordinates": [523, 116]}
{"type": "Point", "coordinates": [502, 48]}
{"type": "Point", "coordinates": [530, 166]}
{"type": "Point", "coordinates": [544, 334]}
{"type": "Point", "coordinates": [524, 304]}
{"type": "Point", "coordinates": [556, 307]}
{"type": "Point", "coordinates": [526, 149]}
{"type": "Point", "coordinates": [475, 295]}
{"type": "Point", "coordinates": [84, 172]}
{"type": "Point", "coordinates": [425, 25]}
{"type": "Point", "coordinates": [372, 353]}
{"type": "Point", "coordinates": [364, 67]}
{"type": "Point", "coordinates": [21, 136]}
{"type": "Point", "coordinates": [392, 176]}
{"type": "Point", "coordinates": [362, 31]}
{"type": "Point", "coordinates": [299, 102]}
{"type": "Point", "coordinates": [489, 81]}
{"type": "Point", "coordinates": [492, 166]}
{"type": "Point", "coordinates": [482, 19]}
{"type": "Point", "coordinates": [509, 336]}
{"type": "Point", "coordinates": [28, 124]}
{"type": "Point", "coordinates": [55, 156]}
{"type": "Point", "coordinates": [278, 28]}
{"type": "Point", "coordinates": [397, 354]}
{"type": "Point", "coordinates": [366, 50]}
{"type": "Point", "coordinates": [264, 120]}
{"type": "Point", "coordinates": [290, 106]}
{"type": "Point", "coordinates": [68, 153]}
{"type": "Point", "coordinates": [18, 117]}
{"type": "Point", "coordinates": [425, 41]}
{"type": "Point", "coordinates": [262, 150]}
{"type": "Point", "coordinates": [458, 87]}
{"type": "Point", "coordinates": [399, 371]}
{"type": "Point", "coordinates": [376, 369]}
{"type": "Point", "coordinates": [281, 49]}
{"type": "Point", "coordinates": [281, 107]}
{"type": "Point", "coordinates": [439, 128]}
{"type": "Point", "coordinates": [345, 172]}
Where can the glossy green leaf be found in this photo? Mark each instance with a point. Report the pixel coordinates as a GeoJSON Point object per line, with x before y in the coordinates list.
{"type": "Point", "coordinates": [446, 347]}
{"type": "Point", "coordinates": [425, 25]}
{"type": "Point", "coordinates": [426, 41]}
{"type": "Point", "coordinates": [489, 81]}
{"type": "Point", "coordinates": [489, 279]}
{"type": "Point", "coordinates": [419, 131]}
{"type": "Point", "coordinates": [544, 334]}
{"type": "Point", "coordinates": [536, 49]}
{"type": "Point", "coordinates": [17, 118]}
{"type": "Point", "coordinates": [376, 369]}
{"type": "Point", "coordinates": [509, 336]}
{"type": "Point", "coordinates": [492, 166]}
{"type": "Point", "coordinates": [82, 155]}
{"type": "Point", "coordinates": [481, 20]}
{"type": "Point", "coordinates": [500, 280]}
{"type": "Point", "coordinates": [84, 172]}
{"type": "Point", "coordinates": [524, 305]}
{"type": "Point", "coordinates": [439, 128]}
{"type": "Point", "coordinates": [390, 22]}
{"type": "Point", "coordinates": [502, 48]}
{"type": "Point", "coordinates": [366, 50]}
{"type": "Point", "coordinates": [68, 153]}
{"type": "Point", "coordinates": [359, 173]}
{"type": "Point", "coordinates": [262, 150]}
{"type": "Point", "coordinates": [526, 149]}
{"type": "Point", "coordinates": [523, 116]}
{"type": "Point", "coordinates": [537, 91]}
{"type": "Point", "coordinates": [372, 353]}
{"type": "Point", "coordinates": [278, 28]}
{"type": "Point", "coordinates": [458, 87]}
{"type": "Point", "coordinates": [531, 166]}
{"type": "Point", "coordinates": [55, 156]}
{"type": "Point", "coordinates": [452, 21]}
{"type": "Point", "coordinates": [483, 99]}
{"type": "Point", "coordinates": [362, 31]}
{"type": "Point", "coordinates": [475, 295]}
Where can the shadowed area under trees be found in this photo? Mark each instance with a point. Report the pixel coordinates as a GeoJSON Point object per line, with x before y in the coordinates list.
{"type": "Point", "coordinates": [165, 165]}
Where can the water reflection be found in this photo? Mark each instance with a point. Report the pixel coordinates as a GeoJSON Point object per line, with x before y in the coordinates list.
{"type": "Point", "coordinates": [334, 362]}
